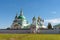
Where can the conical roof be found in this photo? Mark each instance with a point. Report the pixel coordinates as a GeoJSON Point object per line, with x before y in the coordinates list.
{"type": "Point", "coordinates": [16, 15]}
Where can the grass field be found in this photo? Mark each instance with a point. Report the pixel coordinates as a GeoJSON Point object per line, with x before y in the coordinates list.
{"type": "Point", "coordinates": [29, 36]}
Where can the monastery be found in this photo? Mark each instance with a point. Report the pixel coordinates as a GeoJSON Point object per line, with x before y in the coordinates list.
{"type": "Point", "coordinates": [21, 25]}
{"type": "Point", "coordinates": [20, 22]}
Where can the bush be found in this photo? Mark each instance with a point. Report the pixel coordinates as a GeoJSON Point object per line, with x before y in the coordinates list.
{"type": "Point", "coordinates": [8, 28]}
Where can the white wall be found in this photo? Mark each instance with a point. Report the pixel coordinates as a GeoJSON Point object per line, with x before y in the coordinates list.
{"type": "Point", "coordinates": [14, 31]}
{"type": "Point", "coordinates": [48, 31]}
{"type": "Point", "coordinates": [29, 31]}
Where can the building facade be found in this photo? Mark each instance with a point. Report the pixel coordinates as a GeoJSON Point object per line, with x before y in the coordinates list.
{"type": "Point", "coordinates": [20, 22]}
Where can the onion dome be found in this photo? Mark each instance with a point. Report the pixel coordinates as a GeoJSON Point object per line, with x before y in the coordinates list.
{"type": "Point", "coordinates": [34, 18]}
{"type": "Point", "coordinates": [21, 16]}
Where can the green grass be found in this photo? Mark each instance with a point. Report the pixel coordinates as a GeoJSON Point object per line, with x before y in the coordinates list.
{"type": "Point", "coordinates": [29, 36]}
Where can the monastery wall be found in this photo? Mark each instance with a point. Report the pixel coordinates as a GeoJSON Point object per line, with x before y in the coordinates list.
{"type": "Point", "coordinates": [14, 31]}
{"type": "Point", "coordinates": [48, 31]}
{"type": "Point", "coordinates": [29, 31]}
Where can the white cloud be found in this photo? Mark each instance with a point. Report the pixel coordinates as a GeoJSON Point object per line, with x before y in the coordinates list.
{"type": "Point", "coordinates": [54, 12]}
{"type": "Point", "coordinates": [53, 21]}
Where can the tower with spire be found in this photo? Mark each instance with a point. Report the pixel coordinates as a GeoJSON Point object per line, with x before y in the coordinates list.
{"type": "Point", "coordinates": [21, 12]}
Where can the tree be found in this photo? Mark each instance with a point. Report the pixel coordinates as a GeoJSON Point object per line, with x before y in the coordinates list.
{"type": "Point", "coordinates": [49, 26]}
{"type": "Point", "coordinates": [8, 28]}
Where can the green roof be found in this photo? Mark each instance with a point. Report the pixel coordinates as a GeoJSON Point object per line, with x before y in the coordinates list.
{"type": "Point", "coordinates": [21, 17]}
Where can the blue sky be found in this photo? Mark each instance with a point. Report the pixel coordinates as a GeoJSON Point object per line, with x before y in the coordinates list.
{"type": "Point", "coordinates": [49, 10]}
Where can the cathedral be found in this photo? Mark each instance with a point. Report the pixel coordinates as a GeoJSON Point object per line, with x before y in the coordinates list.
{"type": "Point", "coordinates": [20, 22]}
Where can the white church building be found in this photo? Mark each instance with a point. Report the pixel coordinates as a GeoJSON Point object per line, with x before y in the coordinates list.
{"type": "Point", "coordinates": [19, 22]}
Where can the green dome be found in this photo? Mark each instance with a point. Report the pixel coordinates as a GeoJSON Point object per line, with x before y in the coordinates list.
{"type": "Point", "coordinates": [21, 17]}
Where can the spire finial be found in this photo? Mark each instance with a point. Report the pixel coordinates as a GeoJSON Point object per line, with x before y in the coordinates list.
{"type": "Point", "coordinates": [21, 12]}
